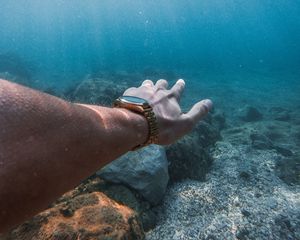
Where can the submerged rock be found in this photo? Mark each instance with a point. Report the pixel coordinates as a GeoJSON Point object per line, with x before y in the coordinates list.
{"type": "Point", "coordinates": [96, 91]}
{"type": "Point", "coordinates": [117, 192]}
{"type": "Point", "coordinates": [95, 216]}
{"type": "Point", "coordinates": [189, 157]}
{"type": "Point", "coordinates": [145, 170]}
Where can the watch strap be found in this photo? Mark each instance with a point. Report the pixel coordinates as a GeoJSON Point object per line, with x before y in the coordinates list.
{"type": "Point", "coordinates": [147, 111]}
{"type": "Point", "coordinates": [153, 128]}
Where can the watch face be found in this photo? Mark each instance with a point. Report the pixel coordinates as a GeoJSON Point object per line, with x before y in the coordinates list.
{"type": "Point", "coordinates": [134, 100]}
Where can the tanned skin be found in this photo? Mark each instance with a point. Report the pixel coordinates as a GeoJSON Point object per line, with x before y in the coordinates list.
{"type": "Point", "coordinates": [48, 145]}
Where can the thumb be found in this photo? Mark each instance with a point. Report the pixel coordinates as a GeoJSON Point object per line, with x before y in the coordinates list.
{"type": "Point", "coordinates": [199, 110]}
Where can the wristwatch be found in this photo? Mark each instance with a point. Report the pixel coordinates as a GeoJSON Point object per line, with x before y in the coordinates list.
{"type": "Point", "coordinates": [140, 106]}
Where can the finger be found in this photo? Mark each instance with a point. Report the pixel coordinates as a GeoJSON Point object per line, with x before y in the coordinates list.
{"type": "Point", "coordinates": [178, 88]}
{"type": "Point", "coordinates": [199, 110]}
{"type": "Point", "coordinates": [148, 83]}
{"type": "Point", "coordinates": [161, 83]}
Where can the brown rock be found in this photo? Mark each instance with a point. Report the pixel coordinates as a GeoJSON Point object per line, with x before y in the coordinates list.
{"type": "Point", "coordinates": [88, 216]}
{"type": "Point", "coordinates": [119, 193]}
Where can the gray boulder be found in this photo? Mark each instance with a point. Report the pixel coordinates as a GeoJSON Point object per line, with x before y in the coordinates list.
{"type": "Point", "coordinates": [145, 170]}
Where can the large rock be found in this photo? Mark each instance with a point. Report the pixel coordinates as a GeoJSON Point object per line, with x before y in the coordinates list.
{"type": "Point", "coordinates": [119, 193]}
{"type": "Point", "coordinates": [145, 170]}
{"type": "Point", "coordinates": [189, 157]}
{"type": "Point", "coordinates": [87, 216]}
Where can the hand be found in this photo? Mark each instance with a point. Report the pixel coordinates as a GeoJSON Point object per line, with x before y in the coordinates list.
{"type": "Point", "coordinates": [172, 123]}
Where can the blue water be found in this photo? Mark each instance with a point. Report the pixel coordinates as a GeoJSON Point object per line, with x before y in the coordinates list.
{"type": "Point", "coordinates": [234, 52]}
{"type": "Point", "coordinates": [65, 40]}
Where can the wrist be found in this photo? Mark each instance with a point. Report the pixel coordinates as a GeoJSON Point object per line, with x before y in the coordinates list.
{"type": "Point", "coordinates": [136, 124]}
{"type": "Point", "coordinates": [142, 107]}
{"type": "Point", "coordinates": [130, 128]}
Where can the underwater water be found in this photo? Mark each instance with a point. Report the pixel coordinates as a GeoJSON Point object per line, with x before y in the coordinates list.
{"type": "Point", "coordinates": [72, 38]}
{"type": "Point", "coordinates": [243, 54]}
{"type": "Point", "coordinates": [57, 43]}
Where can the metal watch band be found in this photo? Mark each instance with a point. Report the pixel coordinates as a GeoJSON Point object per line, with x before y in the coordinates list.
{"type": "Point", "coordinates": [153, 128]}
{"type": "Point", "coordinates": [148, 113]}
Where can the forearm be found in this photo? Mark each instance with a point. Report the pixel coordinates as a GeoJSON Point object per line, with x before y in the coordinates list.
{"type": "Point", "coordinates": [54, 145]}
